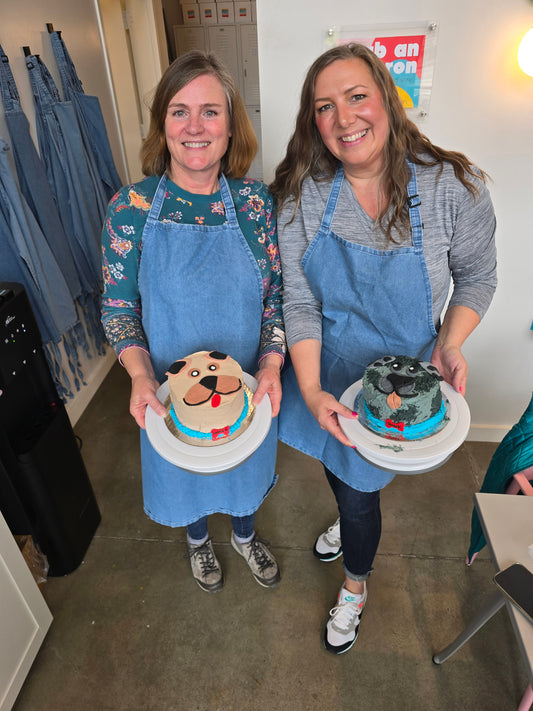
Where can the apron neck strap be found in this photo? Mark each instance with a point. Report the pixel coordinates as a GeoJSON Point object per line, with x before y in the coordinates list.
{"type": "Point", "coordinates": [413, 205]}
{"type": "Point", "coordinates": [157, 203]}
{"type": "Point", "coordinates": [332, 200]}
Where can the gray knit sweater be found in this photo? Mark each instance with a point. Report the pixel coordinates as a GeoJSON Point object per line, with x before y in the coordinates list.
{"type": "Point", "coordinates": [458, 240]}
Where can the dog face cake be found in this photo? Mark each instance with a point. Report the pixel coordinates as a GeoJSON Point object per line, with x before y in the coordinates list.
{"type": "Point", "coordinates": [209, 403]}
{"type": "Point", "coordinates": [402, 399]}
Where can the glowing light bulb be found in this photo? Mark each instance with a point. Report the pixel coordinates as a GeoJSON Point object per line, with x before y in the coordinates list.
{"type": "Point", "coordinates": [525, 53]}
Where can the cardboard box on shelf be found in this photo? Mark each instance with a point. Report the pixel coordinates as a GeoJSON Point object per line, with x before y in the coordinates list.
{"type": "Point", "coordinates": [191, 13]}
{"type": "Point", "coordinates": [208, 13]}
{"type": "Point", "coordinates": [242, 11]}
{"type": "Point", "coordinates": [225, 13]}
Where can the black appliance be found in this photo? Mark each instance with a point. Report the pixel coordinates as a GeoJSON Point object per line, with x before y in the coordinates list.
{"type": "Point", "coordinates": [44, 487]}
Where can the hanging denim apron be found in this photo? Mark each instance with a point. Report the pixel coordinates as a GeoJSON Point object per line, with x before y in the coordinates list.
{"type": "Point", "coordinates": [65, 159]}
{"type": "Point", "coordinates": [374, 303]}
{"type": "Point", "coordinates": [201, 289]}
{"type": "Point", "coordinates": [32, 177]}
{"type": "Point", "coordinates": [57, 314]}
{"type": "Point", "coordinates": [90, 118]}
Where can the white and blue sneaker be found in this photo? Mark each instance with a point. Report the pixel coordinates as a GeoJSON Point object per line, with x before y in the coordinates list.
{"type": "Point", "coordinates": [342, 627]}
{"type": "Point", "coordinates": [328, 545]}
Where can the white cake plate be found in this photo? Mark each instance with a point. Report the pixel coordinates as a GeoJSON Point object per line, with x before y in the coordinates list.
{"type": "Point", "coordinates": [414, 456]}
{"type": "Point", "coordinates": [209, 460]}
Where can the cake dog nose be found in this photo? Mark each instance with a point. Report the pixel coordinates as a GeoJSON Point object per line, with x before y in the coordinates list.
{"type": "Point", "coordinates": [209, 382]}
{"type": "Point", "coordinates": [405, 382]}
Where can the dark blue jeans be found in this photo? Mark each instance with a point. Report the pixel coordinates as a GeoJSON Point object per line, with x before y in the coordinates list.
{"type": "Point", "coordinates": [360, 523]}
{"type": "Point", "coordinates": [243, 527]}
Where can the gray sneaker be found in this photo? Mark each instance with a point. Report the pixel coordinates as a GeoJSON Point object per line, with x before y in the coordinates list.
{"type": "Point", "coordinates": [205, 567]}
{"type": "Point", "coordinates": [260, 560]}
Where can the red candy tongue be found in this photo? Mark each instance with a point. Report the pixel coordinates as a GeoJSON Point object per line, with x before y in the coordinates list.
{"type": "Point", "coordinates": [215, 400]}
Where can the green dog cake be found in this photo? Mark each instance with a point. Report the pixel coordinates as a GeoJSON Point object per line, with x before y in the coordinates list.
{"type": "Point", "coordinates": [401, 398]}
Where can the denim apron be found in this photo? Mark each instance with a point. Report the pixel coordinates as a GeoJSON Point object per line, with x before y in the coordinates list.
{"type": "Point", "coordinates": [65, 159]}
{"type": "Point", "coordinates": [91, 121]}
{"type": "Point", "coordinates": [201, 289]}
{"type": "Point", "coordinates": [374, 303]}
{"type": "Point", "coordinates": [32, 177]}
{"type": "Point", "coordinates": [56, 315]}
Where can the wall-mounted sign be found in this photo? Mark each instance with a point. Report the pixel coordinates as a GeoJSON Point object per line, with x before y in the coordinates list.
{"type": "Point", "coordinates": [407, 50]}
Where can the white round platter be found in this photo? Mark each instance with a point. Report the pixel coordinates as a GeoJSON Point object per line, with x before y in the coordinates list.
{"type": "Point", "coordinates": [403, 456]}
{"type": "Point", "coordinates": [209, 460]}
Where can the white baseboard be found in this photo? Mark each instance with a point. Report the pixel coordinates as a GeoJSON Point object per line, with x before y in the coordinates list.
{"type": "Point", "coordinates": [486, 433]}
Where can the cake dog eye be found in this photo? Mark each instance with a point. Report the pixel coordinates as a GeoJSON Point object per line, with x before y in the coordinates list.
{"type": "Point", "coordinates": [194, 373]}
{"type": "Point", "coordinates": [413, 369]}
{"type": "Point", "coordinates": [396, 366]}
{"type": "Point", "coordinates": [212, 366]}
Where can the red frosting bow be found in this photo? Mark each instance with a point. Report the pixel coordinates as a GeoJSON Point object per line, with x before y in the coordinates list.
{"type": "Point", "coordinates": [220, 434]}
{"type": "Point", "coordinates": [397, 425]}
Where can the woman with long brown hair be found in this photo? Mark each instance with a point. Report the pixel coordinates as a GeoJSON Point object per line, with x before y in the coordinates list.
{"type": "Point", "coordinates": [374, 224]}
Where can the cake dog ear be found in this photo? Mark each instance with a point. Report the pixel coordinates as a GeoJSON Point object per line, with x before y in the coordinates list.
{"type": "Point", "coordinates": [217, 355]}
{"type": "Point", "coordinates": [431, 369]}
{"type": "Point", "coordinates": [176, 367]}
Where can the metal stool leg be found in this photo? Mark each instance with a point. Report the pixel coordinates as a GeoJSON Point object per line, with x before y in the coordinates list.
{"type": "Point", "coordinates": [491, 607]}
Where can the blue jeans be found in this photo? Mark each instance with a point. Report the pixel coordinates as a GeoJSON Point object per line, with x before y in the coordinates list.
{"type": "Point", "coordinates": [360, 524]}
{"type": "Point", "coordinates": [243, 527]}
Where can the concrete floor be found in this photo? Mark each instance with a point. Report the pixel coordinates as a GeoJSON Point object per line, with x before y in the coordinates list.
{"type": "Point", "coordinates": [133, 632]}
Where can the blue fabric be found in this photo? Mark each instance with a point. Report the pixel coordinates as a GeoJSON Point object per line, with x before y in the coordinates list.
{"type": "Point", "coordinates": [56, 314]}
{"type": "Point", "coordinates": [63, 154]}
{"type": "Point", "coordinates": [91, 121]}
{"type": "Point", "coordinates": [201, 289]}
{"type": "Point", "coordinates": [35, 189]}
{"type": "Point", "coordinates": [32, 178]}
{"type": "Point", "coordinates": [374, 303]}
{"type": "Point", "coordinates": [69, 176]}
{"type": "Point", "coordinates": [513, 455]}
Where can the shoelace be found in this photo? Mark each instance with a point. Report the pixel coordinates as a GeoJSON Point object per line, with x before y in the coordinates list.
{"type": "Point", "coordinates": [346, 615]}
{"type": "Point", "coordinates": [332, 535]}
{"type": "Point", "coordinates": [207, 558]}
{"type": "Point", "coordinates": [260, 557]}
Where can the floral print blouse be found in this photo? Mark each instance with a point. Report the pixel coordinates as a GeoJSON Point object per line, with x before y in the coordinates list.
{"type": "Point", "coordinates": [122, 252]}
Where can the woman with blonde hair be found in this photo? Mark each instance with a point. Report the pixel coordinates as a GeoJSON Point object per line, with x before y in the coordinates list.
{"type": "Point", "coordinates": [191, 263]}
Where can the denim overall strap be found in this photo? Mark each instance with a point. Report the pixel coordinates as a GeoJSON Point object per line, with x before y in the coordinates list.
{"type": "Point", "coordinates": [374, 302]}
{"type": "Point", "coordinates": [201, 289]}
{"type": "Point", "coordinates": [331, 204]}
{"type": "Point", "coordinates": [8, 88]}
{"type": "Point", "coordinates": [69, 78]}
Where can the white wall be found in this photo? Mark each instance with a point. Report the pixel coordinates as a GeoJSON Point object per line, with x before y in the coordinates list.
{"type": "Point", "coordinates": [481, 104]}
